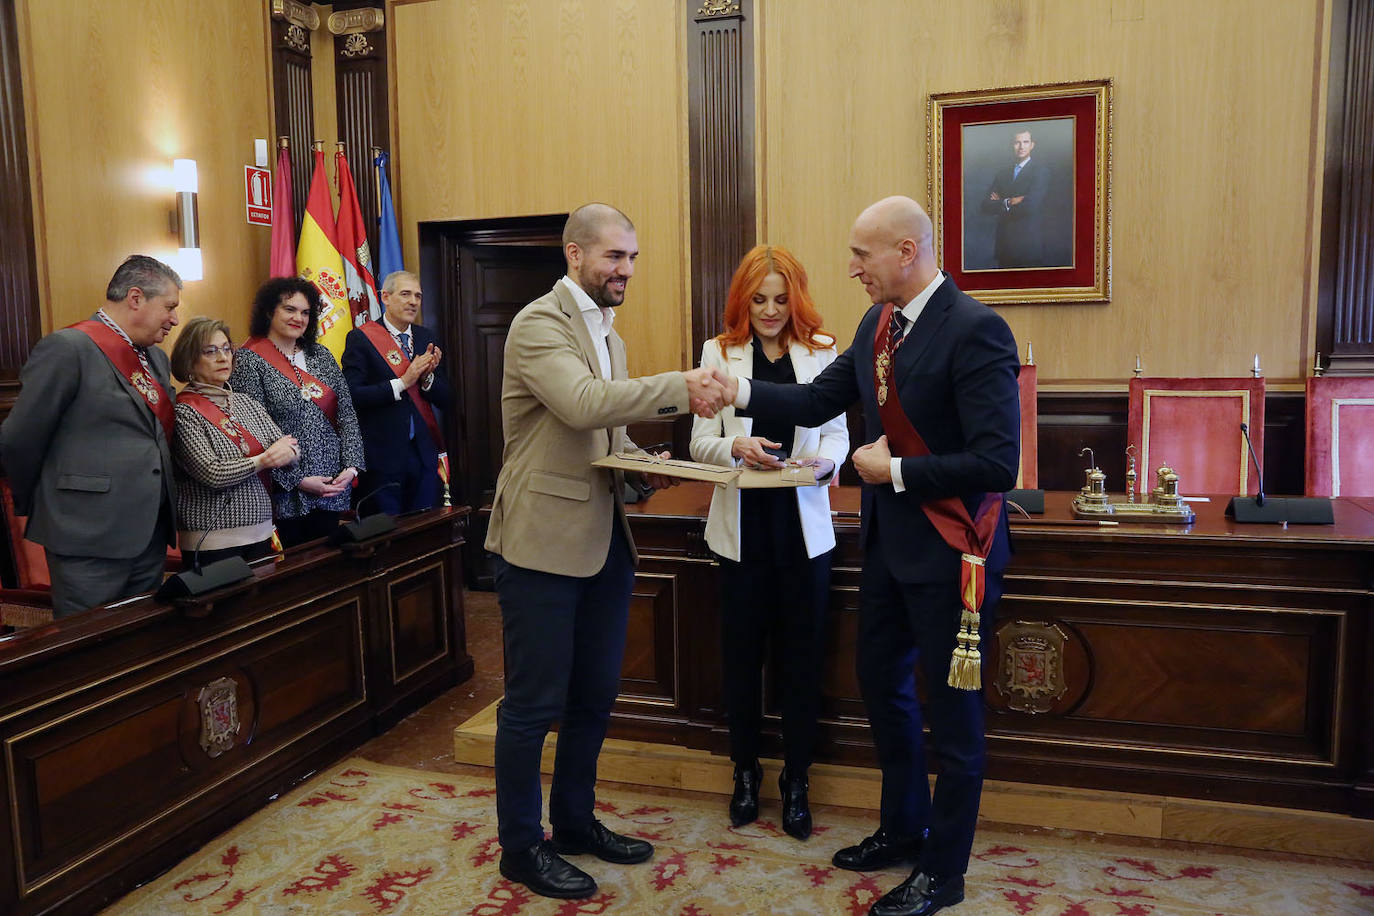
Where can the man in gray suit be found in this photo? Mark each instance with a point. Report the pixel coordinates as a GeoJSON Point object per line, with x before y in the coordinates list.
{"type": "Point", "coordinates": [87, 446]}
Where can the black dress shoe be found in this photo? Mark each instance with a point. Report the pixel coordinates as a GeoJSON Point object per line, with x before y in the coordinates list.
{"type": "Point", "coordinates": [744, 802]}
{"type": "Point", "coordinates": [920, 895]}
{"type": "Point", "coordinates": [796, 812]}
{"type": "Point", "coordinates": [882, 850]}
{"type": "Point", "coordinates": [606, 845]}
{"type": "Point", "coordinates": [546, 873]}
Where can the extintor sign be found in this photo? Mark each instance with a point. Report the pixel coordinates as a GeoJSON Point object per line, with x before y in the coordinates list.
{"type": "Point", "coordinates": [258, 195]}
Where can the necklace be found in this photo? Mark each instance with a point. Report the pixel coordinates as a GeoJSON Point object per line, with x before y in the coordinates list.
{"type": "Point", "coordinates": [306, 393]}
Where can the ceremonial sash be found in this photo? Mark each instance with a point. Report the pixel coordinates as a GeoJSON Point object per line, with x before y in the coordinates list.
{"type": "Point", "coordinates": [234, 431]}
{"type": "Point", "coordinates": [124, 358]}
{"type": "Point", "coordinates": [971, 536]}
{"type": "Point", "coordinates": [312, 389]}
{"type": "Point", "coordinates": [395, 358]}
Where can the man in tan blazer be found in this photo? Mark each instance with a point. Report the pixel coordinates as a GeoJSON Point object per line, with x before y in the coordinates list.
{"type": "Point", "coordinates": [565, 561]}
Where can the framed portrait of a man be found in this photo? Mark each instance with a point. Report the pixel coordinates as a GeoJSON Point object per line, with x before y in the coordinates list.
{"type": "Point", "coordinates": [1020, 191]}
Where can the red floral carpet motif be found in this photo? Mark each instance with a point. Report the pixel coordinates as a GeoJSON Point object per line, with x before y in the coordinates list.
{"type": "Point", "coordinates": [367, 839]}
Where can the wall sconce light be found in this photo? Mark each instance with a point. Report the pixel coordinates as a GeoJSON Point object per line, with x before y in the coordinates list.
{"type": "Point", "coordinates": [186, 218]}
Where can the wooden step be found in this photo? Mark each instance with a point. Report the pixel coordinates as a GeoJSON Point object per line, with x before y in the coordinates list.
{"type": "Point", "coordinates": [1019, 804]}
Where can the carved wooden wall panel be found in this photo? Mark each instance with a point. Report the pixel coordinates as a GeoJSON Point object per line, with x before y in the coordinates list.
{"type": "Point", "coordinates": [1345, 302]}
{"type": "Point", "coordinates": [1221, 661]}
{"type": "Point", "coordinates": [109, 769]}
{"type": "Point", "coordinates": [362, 99]}
{"type": "Point", "coordinates": [108, 772]}
{"type": "Point", "coordinates": [648, 676]}
{"type": "Point", "coordinates": [720, 72]}
{"type": "Point", "coordinates": [22, 324]}
{"type": "Point", "coordinates": [293, 94]}
{"type": "Point", "coordinates": [416, 603]}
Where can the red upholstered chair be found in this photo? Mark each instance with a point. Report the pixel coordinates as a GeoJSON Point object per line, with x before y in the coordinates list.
{"type": "Point", "coordinates": [30, 604]}
{"type": "Point", "coordinates": [1028, 474]}
{"type": "Point", "coordinates": [1340, 436]}
{"type": "Point", "coordinates": [1193, 425]}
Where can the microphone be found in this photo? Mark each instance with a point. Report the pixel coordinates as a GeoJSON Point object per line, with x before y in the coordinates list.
{"type": "Point", "coordinates": [366, 527]}
{"type": "Point", "coordinates": [1259, 471]}
{"type": "Point", "coordinates": [1279, 510]}
{"type": "Point", "coordinates": [198, 581]}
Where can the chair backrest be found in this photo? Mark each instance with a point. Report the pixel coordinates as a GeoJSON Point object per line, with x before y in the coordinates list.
{"type": "Point", "coordinates": [30, 561]}
{"type": "Point", "coordinates": [1028, 474]}
{"type": "Point", "coordinates": [1340, 436]}
{"type": "Point", "coordinates": [1193, 425]}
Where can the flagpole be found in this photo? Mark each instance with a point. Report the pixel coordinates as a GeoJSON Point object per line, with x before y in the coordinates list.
{"type": "Point", "coordinates": [377, 182]}
{"type": "Point", "coordinates": [338, 151]}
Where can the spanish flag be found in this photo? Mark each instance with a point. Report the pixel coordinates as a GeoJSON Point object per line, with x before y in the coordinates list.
{"type": "Point", "coordinates": [318, 260]}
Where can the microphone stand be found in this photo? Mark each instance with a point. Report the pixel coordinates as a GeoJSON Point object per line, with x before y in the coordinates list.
{"type": "Point", "coordinates": [1277, 510]}
{"type": "Point", "coordinates": [366, 527]}
{"type": "Point", "coordinates": [197, 581]}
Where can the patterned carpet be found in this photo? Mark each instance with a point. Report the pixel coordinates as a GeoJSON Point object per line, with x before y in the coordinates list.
{"type": "Point", "coordinates": [370, 839]}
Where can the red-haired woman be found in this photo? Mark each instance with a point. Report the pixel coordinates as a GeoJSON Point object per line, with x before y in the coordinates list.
{"type": "Point", "coordinates": [774, 545]}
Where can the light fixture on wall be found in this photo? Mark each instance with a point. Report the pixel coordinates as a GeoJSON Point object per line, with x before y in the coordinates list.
{"type": "Point", "coordinates": [186, 218]}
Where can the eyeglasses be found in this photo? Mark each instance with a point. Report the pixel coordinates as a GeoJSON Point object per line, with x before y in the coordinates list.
{"type": "Point", "coordinates": [212, 352]}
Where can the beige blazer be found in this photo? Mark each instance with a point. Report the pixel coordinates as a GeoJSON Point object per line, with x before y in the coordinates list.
{"type": "Point", "coordinates": [712, 439]}
{"type": "Point", "coordinates": [552, 510]}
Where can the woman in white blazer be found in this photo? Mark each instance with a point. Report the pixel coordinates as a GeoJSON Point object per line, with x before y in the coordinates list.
{"type": "Point", "coordinates": [773, 545]}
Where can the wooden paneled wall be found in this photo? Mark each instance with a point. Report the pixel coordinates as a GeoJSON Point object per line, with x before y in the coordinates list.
{"type": "Point", "coordinates": [120, 90]}
{"type": "Point", "coordinates": [1217, 143]}
{"type": "Point", "coordinates": [531, 107]}
{"type": "Point", "coordinates": [524, 107]}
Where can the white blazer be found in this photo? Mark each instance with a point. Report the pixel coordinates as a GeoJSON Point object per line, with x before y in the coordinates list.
{"type": "Point", "coordinates": [712, 440]}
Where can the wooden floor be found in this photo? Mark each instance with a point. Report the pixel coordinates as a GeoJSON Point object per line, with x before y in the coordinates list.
{"type": "Point", "coordinates": [453, 734]}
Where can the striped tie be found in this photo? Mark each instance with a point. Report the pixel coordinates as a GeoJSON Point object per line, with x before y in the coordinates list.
{"type": "Point", "coordinates": [896, 331]}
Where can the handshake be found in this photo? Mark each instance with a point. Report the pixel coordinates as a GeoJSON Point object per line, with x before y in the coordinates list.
{"type": "Point", "coordinates": [710, 390]}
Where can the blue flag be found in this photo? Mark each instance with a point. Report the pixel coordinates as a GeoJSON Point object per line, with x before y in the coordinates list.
{"type": "Point", "coordinates": [388, 239]}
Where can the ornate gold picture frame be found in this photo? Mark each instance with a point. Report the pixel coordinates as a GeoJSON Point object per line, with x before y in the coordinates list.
{"type": "Point", "coordinates": [1020, 191]}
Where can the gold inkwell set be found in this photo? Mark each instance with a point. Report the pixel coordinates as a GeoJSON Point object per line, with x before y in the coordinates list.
{"type": "Point", "coordinates": [1165, 505]}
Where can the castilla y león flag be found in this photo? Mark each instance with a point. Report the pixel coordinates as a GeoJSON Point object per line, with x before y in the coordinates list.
{"type": "Point", "coordinates": [362, 287]}
{"type": "Point", "coordinates": [318, 260]}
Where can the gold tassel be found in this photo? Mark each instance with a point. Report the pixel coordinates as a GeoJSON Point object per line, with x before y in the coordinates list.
{"type": "Point", "coordinates": [966, 665]}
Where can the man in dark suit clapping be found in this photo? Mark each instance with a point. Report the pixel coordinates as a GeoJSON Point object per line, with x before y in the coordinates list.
{"type": "Point", "coordinates": [392, 369]}
{"type": "Point", "coordinates": [935, 372]}
{"type": "Point", "coordinates": [88, 444]}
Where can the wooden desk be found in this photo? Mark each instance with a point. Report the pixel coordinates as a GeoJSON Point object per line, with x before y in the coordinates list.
{"type": "Point", "coordinates": [106, 781]}
{"type": "Point", "coordinates": [1217, 660]}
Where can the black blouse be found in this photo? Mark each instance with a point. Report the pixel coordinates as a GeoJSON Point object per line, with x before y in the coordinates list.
{"type": "Point", "coordinates": [770, 523]}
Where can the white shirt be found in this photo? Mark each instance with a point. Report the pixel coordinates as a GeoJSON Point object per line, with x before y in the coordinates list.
{"type": "Point", "coordinates": [1016, 170]}
{"type": "Point", "coordinates": [599, 320]}
{"type": "Point", "coordinates": [911, 311]}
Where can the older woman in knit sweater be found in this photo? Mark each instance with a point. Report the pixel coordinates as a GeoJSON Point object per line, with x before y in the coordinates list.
{"type": "Point", "coordinates": [226, 445]}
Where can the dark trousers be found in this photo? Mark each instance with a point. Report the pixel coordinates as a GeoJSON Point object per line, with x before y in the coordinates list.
{"type": "Point", "coordinates": [410, 487]}
{"type": "Point", "coordinates": [309, 527]}
{"type": "Point", "coordinates": [79, 583]}
{"type": "Point", "coordinates": [565, 640]}
{"type": "Point", "coordinates": [763, 602]}
{"type": "Point", "coordinates": [902, 626]}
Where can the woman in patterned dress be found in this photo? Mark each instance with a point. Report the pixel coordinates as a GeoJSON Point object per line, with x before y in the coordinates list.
{"type": "Point", "coordinates": [300, 384]}
{"type": "Point", "coordinates": [226, 446]}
